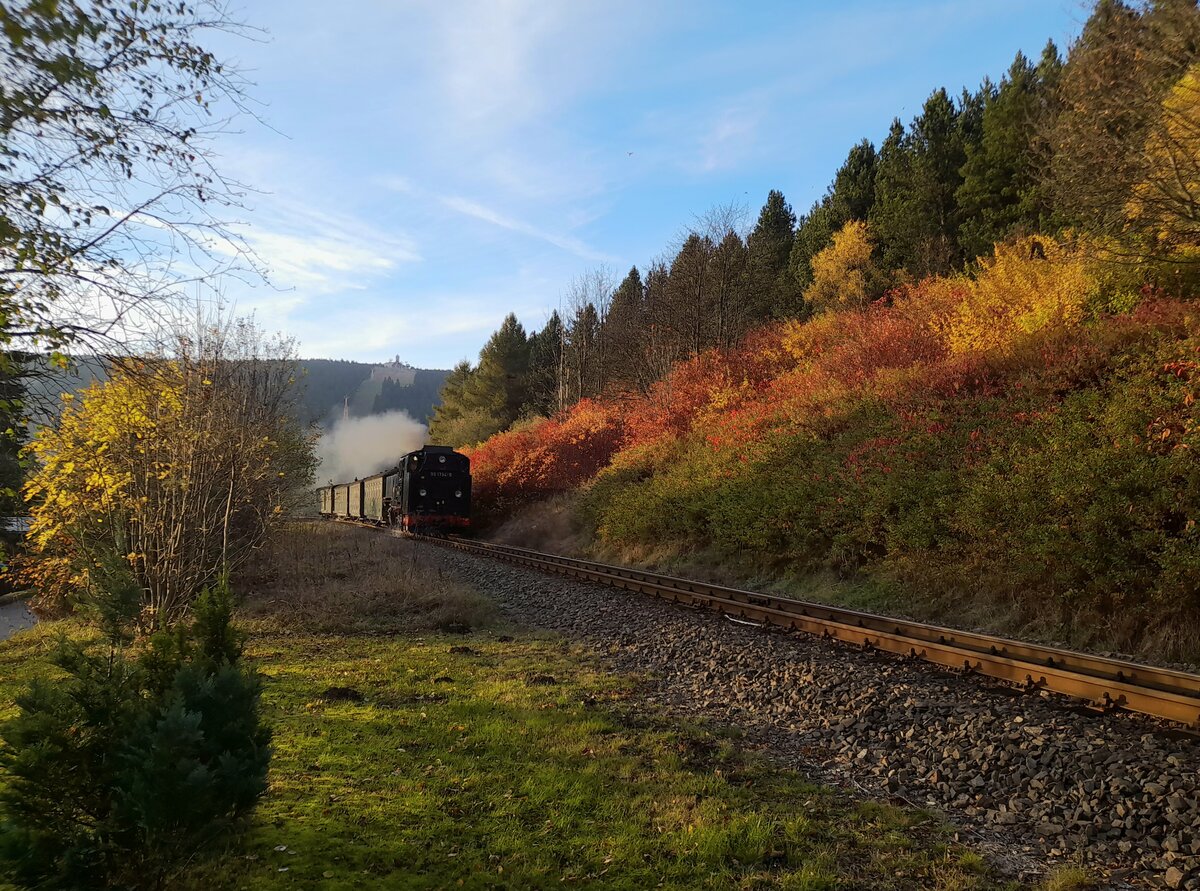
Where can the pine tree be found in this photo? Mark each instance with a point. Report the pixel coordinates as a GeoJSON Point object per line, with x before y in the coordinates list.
{"type": "Point", "coordinates": [689, 294]}
{"type": "Point", "coordinates": [997, 197]}
{"type": "Point", "coordinates": [453, 403]}
{"type": "Point", "coordinates": [624, 331]}
{"type": "Point", "coordinates": [544, 382]}
{"type": "Point", "coordinates": [727, 275]}
{"type": "Point", "coordinates": [582, 353]}
{"type": "Point", "coordinates": [915, 216]}
{"type": "Point", "coordinates": [769, 245]}
{"type": "Point", "coordinates": [896, 210]}
{"type": "Point", "coordinates": [939, 137]}
{"type": "Point", "coordinates": [852, 194]}
{"type": "Point", "coordinates": [496, 387]}
{"type": "Point", "coordinates": [134, 762]}
{"type": "Point", "coordinates": [661, 347]}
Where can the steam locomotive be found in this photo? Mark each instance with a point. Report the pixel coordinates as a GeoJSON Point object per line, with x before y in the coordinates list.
{"type": "Point", "coordinates": [428, 491]}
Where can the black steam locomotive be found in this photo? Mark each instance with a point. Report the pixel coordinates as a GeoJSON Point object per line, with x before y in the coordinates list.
{"type": "Point", "coordinates": [428, 491]}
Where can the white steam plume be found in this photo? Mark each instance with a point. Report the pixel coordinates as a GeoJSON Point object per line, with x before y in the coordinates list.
{"type": "Point", "coordinates": [358, 447]}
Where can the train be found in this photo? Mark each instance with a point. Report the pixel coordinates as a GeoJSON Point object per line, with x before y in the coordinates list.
{"type": "Point", "coordinates": [428, 491]}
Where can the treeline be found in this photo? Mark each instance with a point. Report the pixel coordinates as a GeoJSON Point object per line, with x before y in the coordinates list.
{"type": "Point", "coordinates": [417, 398]}
{"type": "Point", "coordinates": [1103, 143]}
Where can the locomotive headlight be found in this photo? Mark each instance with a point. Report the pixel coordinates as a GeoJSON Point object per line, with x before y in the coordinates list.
{"type": "Point", "coordinates": [442, 459]}
{"type": "Point", "coordinates": [458, 493]}
{"type": "Point", "coordinates": [421, 493]}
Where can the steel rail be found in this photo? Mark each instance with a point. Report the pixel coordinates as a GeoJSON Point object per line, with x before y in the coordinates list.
{"type": "Point", "coordinates": [1102, 681]}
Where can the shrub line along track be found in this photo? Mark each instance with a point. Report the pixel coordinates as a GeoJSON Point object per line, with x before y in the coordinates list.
{"type": "Point", "coordinates": [1101, 681]}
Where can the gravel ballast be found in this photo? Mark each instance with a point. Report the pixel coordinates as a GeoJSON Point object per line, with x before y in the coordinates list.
{"type": "Point", "coordinates": [1027, 776]}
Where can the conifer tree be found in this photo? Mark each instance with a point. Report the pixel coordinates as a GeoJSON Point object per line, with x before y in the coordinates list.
{"type": "Point", "coordinates": [915, 215]}
{"type": "Point", "coordinates": [727, 275]}
{"type": "Point", "coordinates": [997, 196]}
{"type": "Point", "coordinates": [896, 206]}
{"type": "Point", "coordinates": [496, 387]}
{"type": "Point", "coordinates": [661, 347]}
{"type": "Point", "coordinates": [852, 194]}
{"type": "Point", "coordinates": [582, 353]}
{"type": "Point", "coordinates": [544, 381]}
{"type": "Point", "coordinates": [453, 402]}
{"type": "Point", "coordinates": [769, 245]}
{"type": "Point", "coordinates": [689, 294]}
{"type": "Point", "coordinates": [623, 330]}
{"type": "Point", "coordinates": [134, 760]}
{"type": "Point", "coordinates": [939, 137]}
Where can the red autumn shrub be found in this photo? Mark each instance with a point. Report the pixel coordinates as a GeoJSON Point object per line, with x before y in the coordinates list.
{"type": "Point", "coordinates": [550, 456]}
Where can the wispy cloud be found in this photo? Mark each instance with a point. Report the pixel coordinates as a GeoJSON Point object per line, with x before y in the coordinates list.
{"type": "Point", "coordinates": [478, 211]}
{"type": "Point", "coordinates": [317, 251]}
{"type": "Point", "coordinates": [728, 139]}
{"type": "Point", "coordinates": [371, 325]}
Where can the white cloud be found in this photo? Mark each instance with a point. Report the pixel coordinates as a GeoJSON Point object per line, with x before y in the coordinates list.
{"type": "Point", "coordinates": [479, 212]}
{"type": "Point", "coordinates": [396, 183]}
{"type": "Point", "coordinates": [503, 64]}
{"type": "Point", "coordinates": [317, 252]}
{"type": "Point", "coordinates": [728, 138]}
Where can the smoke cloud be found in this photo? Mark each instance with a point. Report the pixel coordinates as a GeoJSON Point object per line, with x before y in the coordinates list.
{"type": "Point", "coordinates": [358, 447]}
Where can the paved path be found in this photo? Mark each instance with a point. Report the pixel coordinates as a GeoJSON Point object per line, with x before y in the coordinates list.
{"type": "Point", "coordinates": [14, 617]}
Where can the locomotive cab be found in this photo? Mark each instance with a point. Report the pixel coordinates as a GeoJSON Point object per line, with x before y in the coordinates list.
{"type": "Point", "coordinates": [432, 491]}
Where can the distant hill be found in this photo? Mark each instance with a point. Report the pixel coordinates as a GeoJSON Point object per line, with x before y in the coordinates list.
{"type": "Point", "coordinates": [331, 387]}
{"type": "Point", "coordinates": [45, 384]}
{"type": "Point", "coordinates": [326, 388]}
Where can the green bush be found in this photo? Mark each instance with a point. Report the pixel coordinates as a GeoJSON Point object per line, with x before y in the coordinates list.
{"type": "Point", "coordinates": [134, 761]}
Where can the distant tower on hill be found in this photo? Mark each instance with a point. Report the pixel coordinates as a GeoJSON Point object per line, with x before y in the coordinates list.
{"type": "Point", "coordinates": [400, 372]}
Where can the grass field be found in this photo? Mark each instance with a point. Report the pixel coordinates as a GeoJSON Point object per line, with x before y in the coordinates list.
{"type": "Point", "coordinates": [501, 758]}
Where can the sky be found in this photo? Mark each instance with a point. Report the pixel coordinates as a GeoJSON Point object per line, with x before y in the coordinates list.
{"type": "Point", "coordinates": [421, 169]}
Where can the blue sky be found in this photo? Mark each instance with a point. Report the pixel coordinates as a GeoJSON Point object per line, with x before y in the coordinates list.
{"type": "Point", "coordinates": [430, 166]}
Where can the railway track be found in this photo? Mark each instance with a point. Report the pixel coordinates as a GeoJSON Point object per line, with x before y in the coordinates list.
{"type": "Point", "coordinates": [1099, 681]}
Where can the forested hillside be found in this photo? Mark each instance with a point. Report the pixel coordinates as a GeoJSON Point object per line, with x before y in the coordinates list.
{"type": "Point", "coordinates": [329, 386]}
{"type": "Point", "coordinates": [323, 389]}
{"type": "Point", "coordinates": [969, 370]}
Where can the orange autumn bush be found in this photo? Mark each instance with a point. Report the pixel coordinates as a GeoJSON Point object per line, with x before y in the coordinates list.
{"type": "Point", "coordinates": [550, 456]}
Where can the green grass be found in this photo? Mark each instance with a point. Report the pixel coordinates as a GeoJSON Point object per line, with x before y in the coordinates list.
{"type": "Point", "coordinates": [519, 765]}
{"type": "Point", "coordinates": [522, 764]}
{"type": "Point", "coordinates": [402, 761]}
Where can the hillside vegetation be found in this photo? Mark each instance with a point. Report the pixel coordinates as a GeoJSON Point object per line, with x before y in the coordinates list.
{"type": "Point", "coordinates": [1009, 439]}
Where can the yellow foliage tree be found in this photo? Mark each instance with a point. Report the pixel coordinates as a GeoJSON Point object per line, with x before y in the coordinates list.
{"type": "Point", "coordinates": [1166, 202]}
{"type": "Point", "coordinates": [844, 274]}
{"type": "Point", "coordinates": [178, 467]}
{"type": "Point", "coordinates": [1028, 285]}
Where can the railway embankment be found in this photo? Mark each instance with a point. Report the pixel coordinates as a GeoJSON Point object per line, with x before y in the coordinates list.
{"type": "Point", "coordinates": [1020, 772]}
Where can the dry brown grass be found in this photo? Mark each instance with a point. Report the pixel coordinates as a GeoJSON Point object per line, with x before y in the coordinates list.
{"type": "Point", "coordinates": [330, 577]}
{"type": "Point", "coordinates": [552, 525]}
